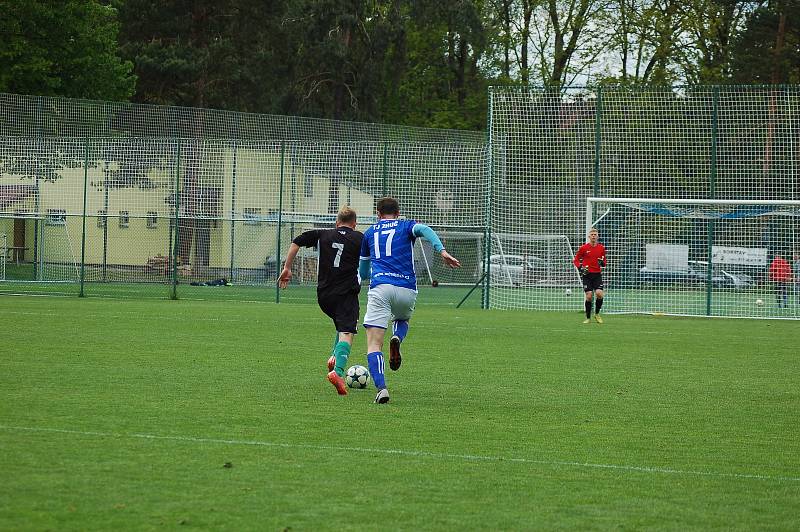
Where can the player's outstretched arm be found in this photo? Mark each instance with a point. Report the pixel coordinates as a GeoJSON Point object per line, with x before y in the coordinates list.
{"type": "Point", "coordinates": [450, 260]}
{"type": "Point", "coordinates": [286, 273]}
{"type": "Point", "coordinates": [423, 231]}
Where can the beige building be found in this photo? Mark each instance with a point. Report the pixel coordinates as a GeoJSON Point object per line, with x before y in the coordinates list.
{"type": "Point", "coordinates": [229, 208]}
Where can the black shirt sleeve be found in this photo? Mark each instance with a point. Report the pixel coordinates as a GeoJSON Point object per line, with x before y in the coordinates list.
{"type": "Point", "coordinates": [308, 239]}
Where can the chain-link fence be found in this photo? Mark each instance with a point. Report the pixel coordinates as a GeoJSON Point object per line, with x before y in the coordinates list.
{"type": "Point", "coordinates": [100, 198]}
{"type": "Point", "coordinates": [126, 199]}
{"type": "Point", "coordinates": [551, 150]}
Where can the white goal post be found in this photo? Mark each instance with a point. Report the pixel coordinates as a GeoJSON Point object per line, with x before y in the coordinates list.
{"type": "Point", "coordinates": [532, 271]}
{"type": "Point", "coordinates": [3, 253]}
{"type": "Point", "coordinates": [466, 246]}
{"type": "Point", "coordinates": [700, 257]}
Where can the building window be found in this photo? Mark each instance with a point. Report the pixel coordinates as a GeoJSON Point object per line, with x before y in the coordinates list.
{"type": "Point", "coordinates": [102, 220]}
{"type": "Point", "coordinates": [124, 219]}
{"type": "Point", "coordinates": [252, 216]}
{"type": "Point", "coordinates": [56, 217]}
{"type": "Point", "coordinates": [152, 219]}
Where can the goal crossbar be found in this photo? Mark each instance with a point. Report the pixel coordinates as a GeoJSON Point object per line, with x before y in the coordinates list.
{"type": "Point", "coordinates": [593, 200]}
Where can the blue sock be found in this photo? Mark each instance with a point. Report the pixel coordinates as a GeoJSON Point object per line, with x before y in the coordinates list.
{"type": "Point", "coordinates": [401, 329]}
{"type": "Point", "coordinates": [375, 362]}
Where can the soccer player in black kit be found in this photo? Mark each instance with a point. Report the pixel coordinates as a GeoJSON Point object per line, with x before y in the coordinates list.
{"type": "Point", "coordinates": [338, 283]}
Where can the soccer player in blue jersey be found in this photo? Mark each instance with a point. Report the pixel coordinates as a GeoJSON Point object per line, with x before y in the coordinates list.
{"type": "Point", "coordinates": [387, 248]}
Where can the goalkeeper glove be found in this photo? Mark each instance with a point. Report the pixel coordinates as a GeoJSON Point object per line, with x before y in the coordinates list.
{"type": "Point", "coordinates": [601, 262]}
{"type": "Point", "coordinates": [584, 270]}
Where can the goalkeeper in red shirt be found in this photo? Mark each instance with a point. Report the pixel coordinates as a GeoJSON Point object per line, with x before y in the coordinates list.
{"type": "Point", "coordinates": [590, 261]}
{"type": "Point", "coordinates": [780, 273]}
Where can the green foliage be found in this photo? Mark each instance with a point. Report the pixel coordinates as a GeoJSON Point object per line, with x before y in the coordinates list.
{"type": "Point", "coordinates": [755, 55]}
{"type": "Point", "coordinates": [384, 61]}
{"type": "Point", "coordinates": [445, 85]}
{"type": "Point", "coordinates": [219, 54]}
{"type": "Point", "coordinates": [337, 66]}
{"type": "Point", "coordinates": [62, 49]}
{"type": "Point", "coordinates": [423, 63]}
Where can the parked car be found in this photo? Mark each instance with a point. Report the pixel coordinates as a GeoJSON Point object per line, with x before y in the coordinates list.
{"type": "Point", "coordinates": [721, 278]}
{"type": "Point", "coordinates": [515, 270]}
{"type": "Point", "coordinates": [696, 272]}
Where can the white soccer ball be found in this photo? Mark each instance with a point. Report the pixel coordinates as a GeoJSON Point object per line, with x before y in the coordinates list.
{"type": "Point", "coordinates": [759, 302]}
{"type": "Point", "coordinates": [568, 291]}
{"type": "Point", "coordinates": [357, 377]}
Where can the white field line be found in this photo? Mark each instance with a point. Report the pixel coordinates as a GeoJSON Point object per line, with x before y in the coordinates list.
{"type": "Point", "coordinates": [418, 454]}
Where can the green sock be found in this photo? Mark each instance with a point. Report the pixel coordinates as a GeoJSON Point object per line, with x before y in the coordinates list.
{"type": "Point", "coordinates": [341, 352]}
{"type": "Point", "coordinates": [335, 343]}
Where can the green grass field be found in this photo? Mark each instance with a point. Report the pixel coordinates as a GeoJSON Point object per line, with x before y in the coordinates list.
{"type": "Point", "coordinates": [121, 415]}
{"type": "Point", "coordinates": [447, 296]}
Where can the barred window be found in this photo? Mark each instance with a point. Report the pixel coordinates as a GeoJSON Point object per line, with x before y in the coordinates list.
{"type": "Point", "coordinates": [252, 216]}
{"type": "Point", "coordinates": [56, 217]}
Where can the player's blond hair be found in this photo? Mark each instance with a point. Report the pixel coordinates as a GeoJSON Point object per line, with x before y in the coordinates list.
{"type": "Point", "coordinates": [346, 215]}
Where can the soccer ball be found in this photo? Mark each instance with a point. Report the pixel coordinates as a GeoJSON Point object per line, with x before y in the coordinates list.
{"type": "Point", "coordinates": [568, 291]}
{"type": "Point", "coordinates": [357, 377]}
{"type": "Point", "coordinates": [759, 302]}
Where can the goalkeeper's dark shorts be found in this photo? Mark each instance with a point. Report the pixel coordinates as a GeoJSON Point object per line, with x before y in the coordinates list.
{"type": "Point", "coordinates": [342, 309]}
{"type": "Point", "coordinates": [592, 282]}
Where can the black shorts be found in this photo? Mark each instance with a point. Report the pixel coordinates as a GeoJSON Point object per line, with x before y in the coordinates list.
{"type": "Point", "coordinates": [342, 309]}
{"type": "Point", "coordinates": [592, 282]}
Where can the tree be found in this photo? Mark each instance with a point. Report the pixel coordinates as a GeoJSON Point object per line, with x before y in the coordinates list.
{"type": "Point", "coordinates": [711, 26]}
{"type": "Point", "coordinates": [443, 82]}
{"type": "Point", "coordinates": [768, 48]}
{"type": "Point", "coordinates": [500, 25]}
{"type": "Point", "coordinates": [334, 54]}
{"type": "Point", "coordinates": [570, 22]}
{"type": "Point", "coordinates": [650, 42]}
{"type": "Point", "coordinates": [550, 41]}
{"type": "Point", "coordinates": [225, 54]}
{"type": "Point", "coordinates": [509, 25]}
{"type": "Point", "coordinates": [62, 49]}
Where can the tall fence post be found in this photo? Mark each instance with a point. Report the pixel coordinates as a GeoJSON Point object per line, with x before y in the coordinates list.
{"type": "Point", "coordinates": [487, 230]}
{"type": "Point", "coordinates": [176, 243]}
{"type": "Point", "coordinates": [83, 217]}
{"type": "Point", "coordinates": [105, 220]}
{"type": "Point", "coordinates": [385, 171]}
{"type": "Point", "coordinates": [280, 223]}
{"type": "Point", "coordinates": [712, 193]}
{"type": "Point", "coordinates": [293, 189]}
{"type": "Point", "coordinates": [233, 205]}
{"type": "Point", "coordinates": [37, 258]}
{"type": "Point", "coordinates": [598, 135]}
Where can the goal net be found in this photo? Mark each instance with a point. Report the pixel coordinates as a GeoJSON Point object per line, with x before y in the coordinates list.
{"type": "Point", "coordinates": [466, 246]}
{"type": "Point", "coordinates": [59, 248]}
{"type": "Point", "coordinates": [529, 271]}
{"type": "Point", "coordinates": [698, 257]}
